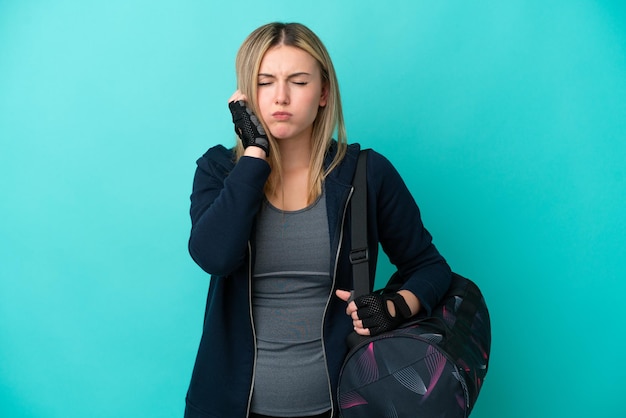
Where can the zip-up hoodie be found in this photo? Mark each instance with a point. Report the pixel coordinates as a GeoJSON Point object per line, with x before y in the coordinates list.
{"type": "Point", "coordinates": [225, 199]}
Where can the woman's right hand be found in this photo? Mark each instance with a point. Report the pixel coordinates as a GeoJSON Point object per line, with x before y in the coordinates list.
{"type": "Point", "coordinates": [248, 127]}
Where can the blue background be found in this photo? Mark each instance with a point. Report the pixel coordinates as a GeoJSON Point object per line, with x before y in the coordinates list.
{"type": "Point", "coordinates": [506, 118]}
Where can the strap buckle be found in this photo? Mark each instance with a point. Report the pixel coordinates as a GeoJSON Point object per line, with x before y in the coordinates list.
{"type": "Point", "coordinates": [359, 255]}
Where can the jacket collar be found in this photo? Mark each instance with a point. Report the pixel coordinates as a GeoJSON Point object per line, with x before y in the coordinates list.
{"type": "Point", "coordinates": [343, 173]}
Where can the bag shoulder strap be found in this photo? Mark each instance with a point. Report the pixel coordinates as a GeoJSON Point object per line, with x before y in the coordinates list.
{"type": "Point", "coordinates": [359, 254]}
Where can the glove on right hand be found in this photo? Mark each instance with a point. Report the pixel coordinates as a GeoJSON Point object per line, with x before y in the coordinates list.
{"type": "Point", "coordinates": [248, 127]}
{"type": "Point", "coordinates": [372, 311]}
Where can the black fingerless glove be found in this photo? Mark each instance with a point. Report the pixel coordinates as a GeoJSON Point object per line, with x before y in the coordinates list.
{"type": "Point", "coordinates": [248, 127]}
{"type": "Point", "coordinates": [372, 310]}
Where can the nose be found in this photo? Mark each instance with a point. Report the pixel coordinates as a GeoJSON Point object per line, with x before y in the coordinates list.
{"type": "Point", "coordinates": [282, 93]}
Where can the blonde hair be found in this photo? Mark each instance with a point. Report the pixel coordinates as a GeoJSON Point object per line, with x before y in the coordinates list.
{"type": "Point", "coordinates": [329, 118]}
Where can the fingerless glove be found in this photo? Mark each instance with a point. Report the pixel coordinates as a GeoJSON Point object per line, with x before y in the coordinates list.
{"type": "Point", "coordinates": [248, 127]}
{"type": "Point", "coordinates": [372, 310]}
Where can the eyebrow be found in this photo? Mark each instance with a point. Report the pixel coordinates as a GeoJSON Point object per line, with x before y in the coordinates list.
{"type": "Point", "coordinates": [289, 76]}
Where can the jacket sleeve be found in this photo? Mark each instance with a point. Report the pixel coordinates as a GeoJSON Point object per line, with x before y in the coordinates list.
{"type": "Point", "coordinates": [224, 202]}
{"type": "Point", "coordinates": [403, 236]}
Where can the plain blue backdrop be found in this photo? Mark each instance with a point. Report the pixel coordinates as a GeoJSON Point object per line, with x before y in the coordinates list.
{"type": "Point", "coordinates": [506, 118]}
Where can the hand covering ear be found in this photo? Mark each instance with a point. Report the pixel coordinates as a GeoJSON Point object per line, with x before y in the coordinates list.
{"type": "Point", "coordinates": [248, 127]}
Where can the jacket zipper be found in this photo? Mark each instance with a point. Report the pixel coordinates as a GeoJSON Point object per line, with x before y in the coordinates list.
{"type": "Point", "coordinates": [253, 329]}
{"type": "Point", "coordinates": [343, 220]}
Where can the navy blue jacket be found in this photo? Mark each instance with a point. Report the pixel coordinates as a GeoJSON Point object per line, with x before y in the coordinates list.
{"type": "Point", "coordinates": [225, 199]}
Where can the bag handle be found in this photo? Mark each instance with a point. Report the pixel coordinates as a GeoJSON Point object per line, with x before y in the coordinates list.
{"type": "Point", "coordinates": [359, 254]}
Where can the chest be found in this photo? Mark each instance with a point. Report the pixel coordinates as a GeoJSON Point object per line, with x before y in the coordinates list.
{"type": "Point", "coordinates": [292, 240]}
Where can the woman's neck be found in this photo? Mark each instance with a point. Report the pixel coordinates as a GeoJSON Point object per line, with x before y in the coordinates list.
{"type": "Point", "coordinates": [292, 192]}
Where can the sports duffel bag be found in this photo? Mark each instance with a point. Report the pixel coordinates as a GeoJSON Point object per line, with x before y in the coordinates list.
{"type": "Point", "coordinates": [430, 367]}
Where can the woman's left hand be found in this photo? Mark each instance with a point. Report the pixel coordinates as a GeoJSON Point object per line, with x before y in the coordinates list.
{"type": "Point", "coordinates": [374, 314]}
{"type": "Point", "coordinates": [351, 311]}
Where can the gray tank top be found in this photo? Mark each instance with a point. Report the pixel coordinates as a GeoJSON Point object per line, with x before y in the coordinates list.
{"type": "Point", "coordinates": [291, 285]}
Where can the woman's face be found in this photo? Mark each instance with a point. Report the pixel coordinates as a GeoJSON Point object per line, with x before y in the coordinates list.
{"type": "Point", "coordinates": [290, 92]}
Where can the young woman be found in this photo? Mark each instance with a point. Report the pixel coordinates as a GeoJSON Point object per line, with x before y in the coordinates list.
{"type": "Point", "coordinates": [271, 226]}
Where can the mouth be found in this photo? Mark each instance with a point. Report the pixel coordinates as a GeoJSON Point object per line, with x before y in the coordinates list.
{"type": "Point", "coordinates": [281, 115]}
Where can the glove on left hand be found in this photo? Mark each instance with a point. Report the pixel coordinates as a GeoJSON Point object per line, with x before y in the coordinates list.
{"type": "Point", "coordinates": [372, 310]}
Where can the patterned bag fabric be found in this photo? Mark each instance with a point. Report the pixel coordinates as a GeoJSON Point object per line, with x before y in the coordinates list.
{"type": "Point", "coordinates": [430, 367]}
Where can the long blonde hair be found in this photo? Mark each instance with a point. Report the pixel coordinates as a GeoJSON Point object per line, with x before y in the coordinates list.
{"type": "Point", "coordinates": [329, 118]}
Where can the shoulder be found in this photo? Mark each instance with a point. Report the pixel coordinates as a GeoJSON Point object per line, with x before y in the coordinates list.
{"type": "Point", "coordinates": [219, 154]}
{"type": "Point", "coordinates": [382, 175]}
{"type": "Point", "coordinates": [378, 164]}
{"type": "Point", "coordinates": [217, 157]}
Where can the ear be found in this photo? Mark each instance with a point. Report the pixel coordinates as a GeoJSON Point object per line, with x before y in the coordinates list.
{"type": "Point", "coordinates": [324, 96]}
